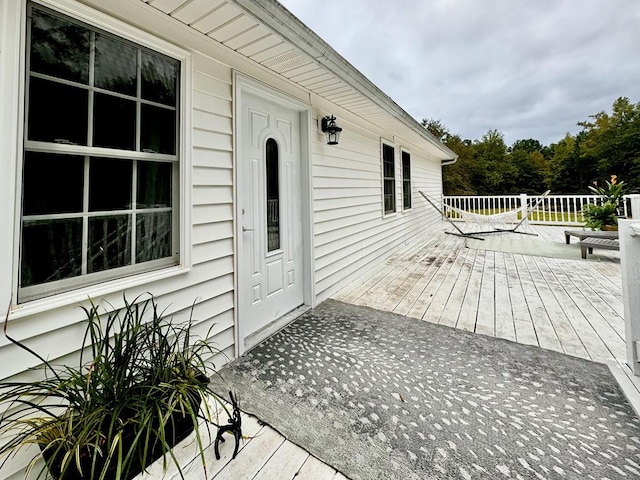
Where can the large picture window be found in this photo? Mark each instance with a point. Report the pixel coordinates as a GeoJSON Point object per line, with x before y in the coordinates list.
{"type": "Point", "coordinates": [389, 178]}
{"type": "Point", "coordinates": [100, 165]}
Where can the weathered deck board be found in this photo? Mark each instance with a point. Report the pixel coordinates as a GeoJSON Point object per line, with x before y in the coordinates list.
{"type": "Point", "coordinates": [607, 336]}
{"type": "Point", "coordinates": [525, 331]}
{"type": "Point", "coordinates": [445, 292]}
{"type": "Point", "coordinates": [264, 455]}
{"type": "Point", "coordinates": [422, 303]}
{"type": "Point", "coordinates": [569, 340]}
{"type": "Point", "coordinates": [469, 309]}
{"type": "Point", "coordinates": [558, 280]}
{"type": "Point", "coordinates": [431, 265]}
{"type": "Point", "coordinates": [545, 332]}
{"type": "Point", "coordinates": [314, 469]}
{"type": "Point", "coordinates": [464, 263]}
{"type": "Point", "coordinates": [247, 465]}
{"type": "Point", "coordinates": [571, 306]}
{"type": "Point", "coordinates": [486, 316]}
{"type": "Point", "coordinates": [601, 301]}
{"type": "Point", "coordinates": [504, 321]}
{"type": "Point", "coordinates": [285, 463]}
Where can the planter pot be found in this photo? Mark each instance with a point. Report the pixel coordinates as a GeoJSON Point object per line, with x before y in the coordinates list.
{"type": "Point", "coordinates": [177, 429]}
{"type": "Point", "coordinates": [610, 228]}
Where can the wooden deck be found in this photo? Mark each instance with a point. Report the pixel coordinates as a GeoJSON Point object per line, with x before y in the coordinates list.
{"type": "Point", "coordinates": [264, 455]}
{"type": "Point", "coordinates": [571, 306]}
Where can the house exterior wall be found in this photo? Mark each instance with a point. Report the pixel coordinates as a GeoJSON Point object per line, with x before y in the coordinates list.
{"type": "Point", "coordinates": [206, 276]}
{"type": "Point", "coordinates": [349, 230]}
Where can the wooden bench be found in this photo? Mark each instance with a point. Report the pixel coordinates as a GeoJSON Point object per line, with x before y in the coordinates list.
{"type": "Point", "coordinates": [582, 234]}
{"type": "Point", "coordinates": [590, 243]}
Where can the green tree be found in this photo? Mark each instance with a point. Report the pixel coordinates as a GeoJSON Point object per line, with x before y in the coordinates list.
{"type": "Point", "coordinates": [456, 178]}
{"type": "Point", "coordinates": [529, 145]}
{"type": "Point", "coordinates": [608, 144]}
{"type": "Point", "coordinates": [569, 174]}
{"type": "Point", "coordinates": [494, 172]}
{"type": "Point", "coordinates": [436, 128]}
{"type": "Point", "coordinates": [611, 143]}
{"type": "Point", "coordinates": [533, 168]}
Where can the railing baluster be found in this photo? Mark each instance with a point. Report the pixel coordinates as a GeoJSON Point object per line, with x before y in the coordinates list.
{"type": "Point", "coordinates": [553, 210]}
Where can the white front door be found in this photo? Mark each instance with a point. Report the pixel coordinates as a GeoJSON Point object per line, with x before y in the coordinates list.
{"type": "Point", "coordinates": [270, 250]}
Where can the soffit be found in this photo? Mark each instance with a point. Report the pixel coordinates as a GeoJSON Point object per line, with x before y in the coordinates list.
{"type": "Point", "coordinates": [254, 30]}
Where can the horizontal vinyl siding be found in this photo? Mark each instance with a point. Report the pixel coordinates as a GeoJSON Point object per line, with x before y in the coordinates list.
{"type": "Point", "coordinates": [209, 286]}
{"type": "Point", "coordinates": [205, 293]}
{"type": "Point", "coordinates": [350, 232]}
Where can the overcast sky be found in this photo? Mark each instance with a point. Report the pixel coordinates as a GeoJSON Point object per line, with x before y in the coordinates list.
{"type": "Point", "coordinates": [529, 68]}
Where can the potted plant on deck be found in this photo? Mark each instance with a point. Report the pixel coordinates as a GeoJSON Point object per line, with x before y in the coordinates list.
{"type": "Point", "coordinates": [603, 215]}
{"type": "Point", "coordinates": [136, 392]}
{"type": "Point", "coordinates": [600, 217]}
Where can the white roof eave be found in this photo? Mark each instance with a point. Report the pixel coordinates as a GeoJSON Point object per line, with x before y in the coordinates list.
{"type": "Point", "coordinates": [277, 18]}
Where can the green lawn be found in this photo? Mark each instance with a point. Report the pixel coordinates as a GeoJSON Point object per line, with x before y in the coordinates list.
{"type": "Point", "coordinates": [552, 217]}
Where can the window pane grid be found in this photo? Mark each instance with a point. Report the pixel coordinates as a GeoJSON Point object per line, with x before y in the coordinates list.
{"type": "Point", "coordinates": [167, 147]}
{"type": "Point", "coordinates": [85, 212]}
{"type": "Point", "coordinates": [406, 180]}
{"type": "Point", "coordinates": [389, 180]}
{"type": "Point", "coordinates": [91, 106]}
{"type": "Point", "coordinates": [71, 83]}
{"type": "Point", "coordinates": [61, 216]}
{"type": "Point", "coordinates": [119, 221]}
{"type": "Point", "coordinates": [109, 238]}
{"type": "Point", "coordinates": [138, 92]}
{"type": "Point", "coordinates": [134, 213]}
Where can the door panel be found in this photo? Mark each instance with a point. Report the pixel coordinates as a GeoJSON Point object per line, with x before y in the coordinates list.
{"type": "Point", "coordinates": [270, 237]}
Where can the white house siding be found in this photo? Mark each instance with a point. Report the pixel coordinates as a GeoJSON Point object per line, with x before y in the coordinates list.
{"type": "Point", "coordinates": [55, 328]}
{"type": "Point", "coordinates": [56, 331]}
{"type": "Point", "coordinates": [351, 232]}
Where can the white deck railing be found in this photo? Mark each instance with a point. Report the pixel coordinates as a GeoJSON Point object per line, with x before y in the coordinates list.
{"type": "Point", "coordinates": [629, 253]}
{"type": "Point", "coordinates": [552, 210]}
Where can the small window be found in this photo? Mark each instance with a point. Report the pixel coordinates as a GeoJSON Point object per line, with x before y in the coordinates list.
{"type": "Point", "coordinates": [389, 178]}
{"type": "Point", "coordinates": [273, 196]}
{"type": "Point", "coordinates": [100, 165]}
{"type": "Point", "coordinates": [406, 180]}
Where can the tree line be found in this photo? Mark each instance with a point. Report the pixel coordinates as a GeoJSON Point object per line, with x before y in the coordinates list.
{"type": "Point", "coordinates": [607, 144]}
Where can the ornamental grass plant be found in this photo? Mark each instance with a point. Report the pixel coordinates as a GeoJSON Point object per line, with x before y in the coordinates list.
{"type": "Point", "coordinates": [136, 391]}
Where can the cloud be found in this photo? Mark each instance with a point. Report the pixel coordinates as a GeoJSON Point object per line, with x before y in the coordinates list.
{"type": "Point", "coordinates": [531, 69]}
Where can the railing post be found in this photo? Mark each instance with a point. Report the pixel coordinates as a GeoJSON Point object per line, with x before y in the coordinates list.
{"type": "Point", "coordinates": [634, 200]}
{"type": "Point", "coordinates": [629, 235]}
{"type": "Point", "coordinates": [523, 204]}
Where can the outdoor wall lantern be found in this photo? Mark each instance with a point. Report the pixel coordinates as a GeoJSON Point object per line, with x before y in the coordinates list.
{"type": "Point", "coordinates": [331, 130]}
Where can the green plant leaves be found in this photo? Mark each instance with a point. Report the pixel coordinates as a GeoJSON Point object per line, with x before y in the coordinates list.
{"type": "Point", "coordinates": [113, 413]}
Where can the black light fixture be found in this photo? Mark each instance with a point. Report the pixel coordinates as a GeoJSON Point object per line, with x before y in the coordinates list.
{"type": "Point", "coordinates": [331, 130]}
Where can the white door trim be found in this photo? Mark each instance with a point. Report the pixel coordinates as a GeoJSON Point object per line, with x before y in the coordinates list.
{"type": "Point", "coordinates": [244, 84]}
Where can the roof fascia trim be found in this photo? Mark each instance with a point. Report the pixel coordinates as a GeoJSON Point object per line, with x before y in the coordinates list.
{"type": "Point", "coordinates": [284, 23]}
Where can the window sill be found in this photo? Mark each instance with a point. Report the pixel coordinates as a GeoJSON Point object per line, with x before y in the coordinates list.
{"type": "Point", "coordinates": [80, 295]}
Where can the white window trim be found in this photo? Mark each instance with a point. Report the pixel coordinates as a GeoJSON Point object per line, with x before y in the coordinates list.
{"type": "Point", "coordinates": [132, 279]}
{"type": "Point", "coordinates": [384, 142]}
{"type": "Point", "coordinates": [407, 151]}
